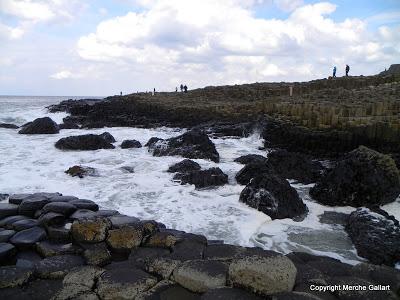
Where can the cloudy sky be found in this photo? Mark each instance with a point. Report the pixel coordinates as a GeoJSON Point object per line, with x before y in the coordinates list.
{"type": "Point", "coordinates": [101, 47]}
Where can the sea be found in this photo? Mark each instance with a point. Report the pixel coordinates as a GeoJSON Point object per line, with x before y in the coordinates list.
{"type": "Point", "coordinates": [31, 163]}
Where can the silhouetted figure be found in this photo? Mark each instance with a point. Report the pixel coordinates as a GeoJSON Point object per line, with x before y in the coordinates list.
{"type": "Point", "coordinates": [185, 88]}
{"type": "Point", "coordinates": [334, 71]}
{"type": "Point", "coordinates": [347, 70]}
{"type": "Point", "coordinates": [176, 89]}
{"type": "Point", "coordinates": [154, 91]}
{"type": "Point", "coordinates": [181, 87]}
{"type": "Point", "coordinates": [121, 93]}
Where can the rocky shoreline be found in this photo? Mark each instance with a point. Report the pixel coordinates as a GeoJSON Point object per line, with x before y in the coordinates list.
{"type": "Point", "coordinates": [62, 247]}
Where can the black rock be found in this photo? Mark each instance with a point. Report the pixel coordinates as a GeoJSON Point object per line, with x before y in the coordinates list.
{"type": "Point", "coordinates": [333, 217]}
{"type": "Point", "coordinates": [24, 224]}
{"type": "Point", "coordinates": [81, 171]}
{"type": "Point", "coordinates": [85, 204]}
{"type": "Point", "coordinates": [59, 198]}
{"type": "Point", "coordinates": [60, 233]}
{"type": "Point", "coordinates": [7, 209]}
{"type": "Point", "coordinates": [57, 266]}
{"type": "Point", "coordinates": [68, 125]}
{"type": "Point", "coordinates": [47, 248]}
{"type": "Point", "coordinates": [83, 142]}
{"type": "Point", "coordinates": [28, 237]}
{"type": "Point", "coordinates": [7, 252]}
{"type": "Point", "coordinates": [184, 166]}
{"type": "Point", "coordinates": [30, 205]}
{"type": "Point", "coordinates": [5, 235]}
{"type": "Point", "coordinates": [130, 144]}
{"type": "Point", "coordinates": [18, 198]}
{"type": "Point", "coordinates": [51, 218]}
{"type": "Point", "coordinates": [128, 169]}
{"type": "Point", "coordinates": [204, 178]}
{"type": "Point", "coordinates": [363, 177]}
{"type": "Point", "coordinates": [83, 214]}
{"type": "Point", "coordinates": [108, 137]}
{"type": "Point", "coordinates": [8, 221]}
{"type": "Point", "coordinates": [27, 259]}
{"type": "Point", "coordinates": [273, 196]}
{"type": "Point", "coordinates": [152, 141]}
{"type": "Point", "coordinates": [64, 208]}
{"type": "Point", "coordinates": [119, 221]}
{"type": "Point", "coordinates": [8, 126]}
{"type": "Point", "coordinates": [250, 171]}
{"type": "Point", "coordinates": [96, 254]}
{"type": "Point", "coordinates": [107, 213]}
{"type": "Point", "coordinates": [40, 126]}
{"type": "Point", "coordinates": [375, 236]}
{"type": "Point", "coordinates": [251, 158]}
{"type": "Point", "coordinates": [11, 276]}
{"type": "Point", "coordinates": [41, 289]}
{"type": "Point", "coordinates": [192, 144]}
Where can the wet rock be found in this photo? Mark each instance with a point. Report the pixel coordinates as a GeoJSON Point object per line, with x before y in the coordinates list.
{"type": "Point", "coordinates": [250, 159]}
{"type": "Point", "coordinates": [5, 235]}
{"type": "Point", "coordinates": [68, 125]}
{"type": "Point", "coordinates": [119, 221]}
{"type": "Point", "coordinates": [184, 166]}
{"type": "Point", "coordinates": [124, 283]}
{"type": "Point", "coordinates": [46, 248]}
{"type": "Point", "coordinates": [266, 275]}
{"type": "Point", "coordinates": [81, 214]}
{"type": "Point", "coordinates": [152, 141]}
{"type": "Point", "coordinates": [86, 276]}
{"type": "Point", "coordinates": [162, 266]}
{"type": "Point", "coordinates": [60, 198]}
{"type": "Point", "coordinates": [229, 293]}
{"type": "Point", "coordinates": [141, 257]}
{"type": "Point", "coordinates": [168, 290]}
{"type": "Point", "coordinates": [51, 218]}
{"type": "Point", "coordinates": [375, 236]}
{"type": "Point", "coordinates": [251, 171]}
{"type": "Point", "coordinates": [188, 250]}
{"type": "Point", "coordinates": [85, 204]}
{"type": "Point", "coordinates": [60, 233]}
{"type": "Point", "coordinates": [30, 205]}
{"type": "Point", "coordinates": [81, 171]}
{"type": "Point", "coordinates": [7, 209]}
{"type": "Point", "coordinates": [333, 217]}
{"type": "Point", "coordinates": [128, 169]}
{"type": "Point", "coordinates": [63, 208]}
{"type": "Point", "coordinates": [83, 142]}
{"type": "Point", "coordinates": [201, 275]}
{"type": "Point", "coordinates": [57, 266]}
{"type": "Point", "coordinates": [28, 237]}
{"type": "Point", "coordinates": [230, 129]}
{"type": "Point", "coordinates": [11, 276]}
{"type": "Point", "coordinates": [96, 254]}
{"type": "Point", "coordinates": [126, 144]}
{"type": "Point", "coordinates": [24, 224]}
{"type": "Point", "coordinates": [363, 177]}
{"type": "Point", "coordinates": [192, 144]}
{"type": "Point", "coordinates": [8, 221]}
{"type": "Point", "coordinates": [108, 137]}
{"type": "Point", "coordinates": [40, 126]}
{"type": "Point", "coordinates": [204, 178]}
{"type": "Point", "coordinates": [18, 198]}
{"type": "Point", "coordinates": [8, 126]}
{"type": "Point", "coordinates": [223, 252]}
{"type": "Point", "coordinates": [274, 197]}
{"type": "Point", "coordinates": [90, 231]}
{"type": "Point", "coordinates": [27, 259]}
{"type": "Point", "coordinates": [43, 289]}
{"type": "Point", "coordinates": [125, 238]}
{"type": "Point", "coordinates": [106, 213]}
{"type": "Point", "coordinates": [163, 239]}
{"type": "Point", "coordinates": [291, 165]}
{"type": "Point", "coordinates": [7, 252]}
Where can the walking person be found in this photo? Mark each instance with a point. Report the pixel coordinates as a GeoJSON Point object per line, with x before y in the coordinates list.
{"type": "Point", "coordinates": [347, 70]}
{"type": "Point", "coordinates": [334, 72]}
{"type": "Point", "coordinates": [185, 88]}
{"type": "Point", "coordinates": [181, 87]}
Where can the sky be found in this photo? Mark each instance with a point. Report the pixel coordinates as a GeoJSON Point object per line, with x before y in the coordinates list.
{"type": "Point", "coordinates": [102, 47]}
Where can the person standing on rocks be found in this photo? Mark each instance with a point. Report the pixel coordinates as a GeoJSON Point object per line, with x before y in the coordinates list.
{"type": "Point", "coordinates": [347, 70]}
{"type": "Point", "coordinates": [185, 88]}
{"type": "Point", "coordinates": [334, 71]}
{"type": "Point", "coordinates": [181, 87]}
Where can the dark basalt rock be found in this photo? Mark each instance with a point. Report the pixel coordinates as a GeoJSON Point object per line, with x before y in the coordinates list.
{"type": "Point", "coordinates": [83, 214]}
{"type": "Point", "coordinates": [27, 259]}
{"type": "Point", "coordinates": [8, 126]}
{"type": "Point", "coordinates": [11, 276]}
{"type": "Point", "coordinates": [46, 248]}
{"type": "Point", "coordinates": [251, 171]}
{"type": "Point", "coordinates": [363, 177]}
{"type": "Point", "coordinates": [108, 137]}
{"type": "Point", "coordinates": [18, 198]}
{"type": "Point", "coordinates": [64, 208]}
{"type": "Point", "coordinates": [184, 166]}
{"type": "Point", "coordinates": [204, 178]}
{"type": "Point", "coordinates": [59, 233]}
{"type": "Point", "coordinates": [229, 129]}
{"type": "Point", "coordinates": [333, 217]}
{"type": "Point", "coordinates": [126, 144]}
{"type": "Point", "coordinates": [96, 254]}
{"type": "Point", "coordinates": [51, 218]}
{"type": "Point", "coordinates": [5, 235]}
{"type": "Point", "coordinates": [30, 205]}
{"type": "Point", "coordinates": [152, 141]}
{"type": "Point", "coordinates": [40, 126]}
{"type": "Point", "coordinates": [41, 289]}
{"type": "Point", "coordinates": [7, 209]}
{"type": "Point", "coordinates": [85, 204]}
{"type": "Point", "coordinates": [192, 144]}
{"type": "Point", "coordinates": [223, 252]}
{"type": "Point", "coordinates": [83, 142]}
{"type": "Point", "coordinates": [229, 293]}
{"type": "Point", "coordinates": [7, 252]}
{"type": "Point", "coordinates": [167, 290]}
{"type": "Point", "coordinates": [28, 237]}
{"type": "Point", "coordinates": [273, 196]}
{"type": "Point", "coordinates": [81, 171]}
{"type": "Point", "coordinates": [375, 236]}
{"type": "Point", "coordinates": [251, 158]}
{"type": "Point", "coordinates": [60, 198]}
{"type": "Point", "coordinates": [24, 224]}
{"type": "Point", "coordinates": [58, 266]}
{"type": "Point", "coordinates": [8, 221]}
{"type": "Point", "coordinates": [296, 166]}
{"type": "Point", "coordinates": [119, 221]}
{"type": "Point", "coordinates": [68, 125]}
{"type": "Point", "coordinates": [188, 249]}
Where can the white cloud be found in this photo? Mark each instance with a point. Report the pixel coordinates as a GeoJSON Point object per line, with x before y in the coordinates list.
{"type": "Point", "coordinates": [10, 32]}
{"type": "Point", "coordinates": [65, 74]}
{"type": "Point", "coordinates": [288, 5]}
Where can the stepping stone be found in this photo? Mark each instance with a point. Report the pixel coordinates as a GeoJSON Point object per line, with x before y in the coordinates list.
{"type": "Point", "coordinates": [51, 218]}
{"type": "Point", "coordinates": [83, 214]}
{"type": "Point", "coordinates": [28, 237]}
{"type": "Point", "coordinates": [55, 267]}
{"type": "Point", "coordinates": [121, 220]}
{"type": "Point", "coordinates": [18, 198]}
{"type": "Point", "coordinates": [27, 259]}
{"type": "Point", "coordinates": [30, 205]}
{"type": "Point", "coordinates": [24, 224]}
{"type": "Point", "coordinates": [223, 252]}
{"type": "Point", "coordinates": [7, 251]}
{"type": "Point", "coordinates": [124, 239]}
{"type": "Point", "coordinates": [5, 235]}
{"type": "Point", "coordinates": [85, 204]}
{"type": "Point", "coordinates": [96, 254]}
{"type": "Point", "coordinates": [11, 276]}
{"type": "Point", "coordinates": [90, 231]}
{"type": "Point", "coordinates": [64, 208]}
{"type": "Point", "coordinates": [7, 209]}
{"type": "Point", "coordinates": [46, 248]}
{"type": "Point", "coordinates": [124, 283]}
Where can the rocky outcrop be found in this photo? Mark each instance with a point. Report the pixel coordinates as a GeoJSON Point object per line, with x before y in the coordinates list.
{"type": "Point", "coordinates": [8, 126]}
{"type": "Point", "coordinates": [81, 171]}
{"type": "Point", "coordinates": [83, 142]}
{"type": "Point", "coordinates": [203, 178]}
{"type": "Point", "coordinates": [40, 126]}
{"type": "Point", "coordinates": [375, 236]}
{"type": "Point", "coordinates": [251, 171]}
{"type": "Point", "coordinates": [126, 144]}
{"type": "Point", "coordinates": [184, 166]}
{"type": "Point", "coordinates": [363, 177]}
{"type": "Point", "coordinates": [108, 137]}
{"type": "Point", "coordinates": [273, 196]}
{"type": "Point", "coordinates": [192, 144]}
{"type": "Point", "coordinates": [251, 158]}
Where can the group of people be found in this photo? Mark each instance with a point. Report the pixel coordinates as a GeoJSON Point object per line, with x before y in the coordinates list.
{"type": "Point", "coordinates": [184, 88]}
{"type": "Point", "coordinates": [347, 71]}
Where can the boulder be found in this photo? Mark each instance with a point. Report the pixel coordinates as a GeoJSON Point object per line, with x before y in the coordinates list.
{"type": "Point", "coordinates": [24, 224]}
{"type": "Point", "coordinates": [118, 221]}
{"type": "Point", "coordinates": [11, 276]}
{"type": "Point", "coordinates": [192, 144]}
{"type": "Point", "coordinates": [184, 166]}
{"type": "Point", "coordinates": [140, 257]}
{"type": "Point", "coordinates": [7, 252]}
{"type": "Point", "coordinates": [375, 236]}
{"type": "Point", "coordinates": [86, 276]}
{"type": "Point", "coordinates": [223, 252]}
{"type": "Point", "coordinates": [60, 198]}
{"type": "Point", "coordinates": [201, 275]}
{"type": "Point", "coordinates": [18, 198]}
{"type": "Point", "coordinates": [27, 259]}
{"type": "Point", "coordinates": [60, 233]}
{"type": "Point", "coordinates": [58, 266]}
{"type": "Point", "coordinates": [28, 237]}
{"type": "Point", "coordinates": [108, 137]}
{"type": "Point", "coordinates": [81, 171]}
{"type": "Point", "coordinates": [152, 141]}
{"type": "Point", "coordinates": [85, 204]}
{"type": "Point", "coordinates": [8, 209]}
{"type": "Point", "coordinates": [47, 248]}
{"type": "Point", "coordinates": [83, 142]}
{"type": "Point", "coordinates": [63, 208]}
{"type": "Point", "coordinates": [96, 254]}
{"type": "Point", "coordinates": [123, 283]}
{"type": "Point", "coordinates": [8, 126]}
{"type": "Point", "coordinates": [188, 249]}
{"type": "Point", "coordinates": [168, 290]}
{"type": "Point", "coordinates": [163, 239]}
{"type": "Point", "coordinates": [43, 289]}
{"type": "Point", "coordinates": [250, 171]}
{"type": "Point", "coordinates": [267, 274]}
{"type": "Point", "coordinates": [90, 230]}
{"type": "Point", "coordinates": [40, 126]}
{"type": "Point", "coordinates": [273, 196]}
{"type": "Point", "coordinates": [126, 144]}
{"type": "Point", "coordinates": [162, 266]}
{"type": "Point", "coordinates": [251, 158]}
{"type": "Point", "coordinates": [83, 214]}
{"type": "Point", "coordinates": [125, 238]}
{"type": "Point", "coordinates": [68, 125]}
{"type": "Point", "coordinates": [51, 218]}
{"type": "Point", "coordinates": [363, 177]}
{"type": "Point", "coordinates": [5, 235]}
{"type": "Point", "coordinates": [30, 205]}
{"type": "Point", "coordinates": [204, 178]}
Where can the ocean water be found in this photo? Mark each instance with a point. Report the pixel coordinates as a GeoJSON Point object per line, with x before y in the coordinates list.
{"type": "Point", "coordinates": [31, 163]}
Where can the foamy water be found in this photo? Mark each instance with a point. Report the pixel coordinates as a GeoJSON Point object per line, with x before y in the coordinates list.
{"type": "Point", "coordinates": [31, 163]}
